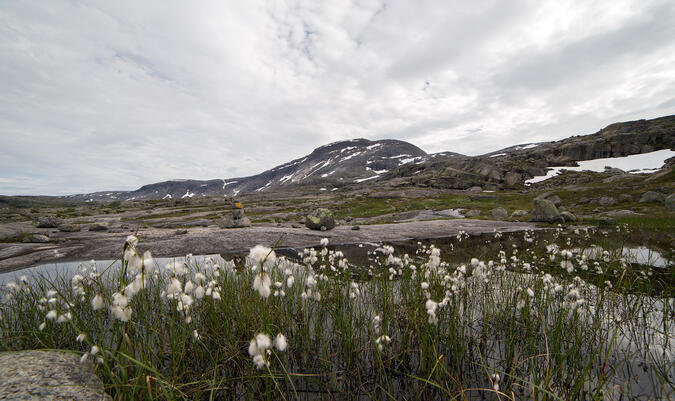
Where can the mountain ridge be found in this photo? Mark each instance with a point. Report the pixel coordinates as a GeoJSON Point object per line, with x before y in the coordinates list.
{"type": "Point", "coordinates": [397, 163]}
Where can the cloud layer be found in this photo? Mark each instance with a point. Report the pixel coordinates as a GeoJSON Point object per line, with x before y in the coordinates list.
{"type": "Point", "coordinates": [112, 95]}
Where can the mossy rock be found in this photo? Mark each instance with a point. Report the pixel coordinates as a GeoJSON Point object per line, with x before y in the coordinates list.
{"type": "Point", "coordinates": [320, 219]}
{"type": "Point", "coordinates": [545, 211]}
{"type": "Point", "coordinates": [98, 227]}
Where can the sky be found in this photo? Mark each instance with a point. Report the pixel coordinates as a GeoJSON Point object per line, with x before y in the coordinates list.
{"type": "Point", "coordinates": [113, 95]}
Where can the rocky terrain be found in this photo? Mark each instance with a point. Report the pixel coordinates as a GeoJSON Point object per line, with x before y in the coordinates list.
{"type": "Point", "coordinates": [371, 190]}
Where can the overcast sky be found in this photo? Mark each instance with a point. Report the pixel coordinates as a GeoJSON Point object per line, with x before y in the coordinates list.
{"type": "Point", "coordinates": [105, 95]}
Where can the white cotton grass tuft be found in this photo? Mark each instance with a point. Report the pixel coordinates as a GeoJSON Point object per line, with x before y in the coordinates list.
{"type": "Point", "coordinates": [97, 302]}
{"type": "Point", "coordinates": [257, 348]}
{"type": "Point", "coordinates": [262, 283]}
{"type": "Point", "coordinates": [260, 254]}
{"type": "Point", "coordinates": [324, 242]}
{"type": "Point", "coordinates": [280, 342]}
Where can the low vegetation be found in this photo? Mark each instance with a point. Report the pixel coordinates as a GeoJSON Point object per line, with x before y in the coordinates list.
{"type": "Point", "coordinates": [555, 316]}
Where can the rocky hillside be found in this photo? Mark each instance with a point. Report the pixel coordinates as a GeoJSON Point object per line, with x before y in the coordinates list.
{"type": "Point", "coordinates": [510, 167]}
{"type": "Point", "coordinates": [328, 167]}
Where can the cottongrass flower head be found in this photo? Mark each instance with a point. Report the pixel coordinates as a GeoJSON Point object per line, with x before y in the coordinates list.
{"type": "Point", "coordinates": [262, 255]}
{"type": "Point", "coordinates": [97, 302]}
{"type": "Point", "coordinates": [280, 342]}
{"type": "Point", "coordinates": [257, 348]}
{"type": "Point", "coordinates": [261, 283]}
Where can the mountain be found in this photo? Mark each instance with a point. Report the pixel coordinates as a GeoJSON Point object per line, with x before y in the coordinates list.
{"type": "Point", "coordinates": [512, 166]}
{"type": "Point", "coordinates": [330, 166]}
{"type": "Point", "coordinates": [395, 163]}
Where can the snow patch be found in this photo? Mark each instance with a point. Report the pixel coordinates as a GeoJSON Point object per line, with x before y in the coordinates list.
{"type": "Point", "coordinates": [225, 183]}
{"type": "Point", "coordinates": [373, 146]}
{"type": "Point", "coordinates": [167, 196]}
{"type": "Point", "coordinates": [530, 146]}
{"type": "Point", "coordinates": [188, 194]}
{"type": "Point", "coordinates": [323, 189]}
{"type": "Point", "coordinates": [285, 178]}
{"type": "Point", "coordinates": [408, 160]}
{"type": "Point", "coordinates": [499, 154]}
{"type": "Point", "coordinates": [634, 164]}
{"type": "Point", "coordinates": [366, 179]}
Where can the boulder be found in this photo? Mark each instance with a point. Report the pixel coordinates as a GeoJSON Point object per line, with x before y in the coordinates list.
{"type": "Point", "coordinates": [499, 213]}
{"type": "Point", "coordinates": [519, 213]}
{"type": "Point", "coordinates": [475, 189]}
{"type": "Point", "coordinates": [652, 196]}
{"type": "Point", "coordinates": [568, 217]}
{"type": "Point", "coordinates": [36, 239]}
{"type": "Point", "coordinates": [356, 228]}
{"type": "Point", "coordinates": [320, 219]}
{"type": "Point", "coordinates": [544, 210]}
{"type": "Point", "coordinates": [69, 228]}
{"type": "Point", "coordinates": [48, 375]}
{"type": "Point", "coordinates": [98, 227]}
{"type": "Point", "coordinates": [48, 222]}
{"type": "Point", "coordinates": [231, 222]}
{"type": "Point", "coordinates": [670, 202]}
{"type": "Point", "coordinates": [512, 178]}
{"type": "Point", "coordinates": [607, 201]}
{"type": "Point", "coordinates": [181, 231]}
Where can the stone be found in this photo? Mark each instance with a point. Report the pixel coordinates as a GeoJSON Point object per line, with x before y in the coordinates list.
{"type": "Point", "coordinates": [356, 228]}
{"type": "Point", "coordinates": [181, 231]}
{"type": "Point", "coordinates": [475, 189]}
{"type": "Point", "coordinates": [320, 219]}
{"type": "Point", "coordinates": [499, 213]}
{"type": "Point", "coordinates": [584, 199]}
{"type": "Point", "coordinates": [670, 202]}
{"type": "Point", "coordinates": [48, 375]}
{"type": "Point", "coordinates": [568, 217]}
{"type": "Point", "coordinates": [237, 219]}
{"type": "Point", "coordinates": [555, 199]}
{"type": "Point", "coordinates": [472, 213]}
{"type": "Point", "coordinates": [606, 222]}
{"type": "Point", "coordinates": [622, 213]}
{"type": "Point", "coordinates": [512, 178]}
{"type": "Point", "coordinates": [607, 201]}
{"type": "Point", "coordinates": [519, 213]}
{"type": "Point", "coordinates": [302, 220]}
{"type": "Point", "coordinates": [625, 198]}
{"type": "Point", "coordinates": [69, 228]}
{"type": "Point", "coordinates": [48, 222]}
{"type": "Point", "coordinates": [295, 225]}
{"type": "Point", "coordinates": [543, 210]}
{"type": "Point", "coordinates": [36, 239]}
{"type": "Point", "coordinates": [652, 196]}
{"type": "Point", "coordinates": [98, 227]}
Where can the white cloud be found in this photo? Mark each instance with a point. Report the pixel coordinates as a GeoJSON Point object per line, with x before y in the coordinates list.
{"type": "Point", "coordinates": [113, 95]}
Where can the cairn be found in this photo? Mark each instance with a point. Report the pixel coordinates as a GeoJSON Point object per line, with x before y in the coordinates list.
{"type": "Point", "coordinates": [238, 218]}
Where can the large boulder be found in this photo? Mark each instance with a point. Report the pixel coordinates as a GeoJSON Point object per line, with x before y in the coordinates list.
{"type": "Point", "coordinates": [544, 210]}
{"type": "Point", "coordinates": [652, 196]}
{"type": "Point", "coordinates": [499, 213]}
{"type": "Point", "coordinates": [231, 222]}
{"type": "Point", "coordinates": [320, 219]}
{"type": "Point", "coordinates": [48, 222]}
{"type": "Point", "coordinates": [670, 202]}
{"type": "Point", "coordinates": [555, 199]}
{"type": "Point", "coordinates": [48, 375]}
{"type": "Point", "coordinates": [519, 213]}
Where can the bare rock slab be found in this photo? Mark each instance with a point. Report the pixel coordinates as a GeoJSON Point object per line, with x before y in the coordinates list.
{"type": "Point", "coordinates": [47, 375]}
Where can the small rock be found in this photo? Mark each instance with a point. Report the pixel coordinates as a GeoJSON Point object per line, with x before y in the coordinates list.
{"type": "Point", "coordinates": [356, 228]}
{"type": "Point", "coordinates": [623, 212]}
{"type": "Point", "coordinates": [499, 213]}
{"type": "Point", "coordinates": [606, 221]}
{"type": "Point", "coordinates": [584, 199]}
{"type": "Point", "coordinates": [295, 225]}
{"type": "Point", "coordinates": [607, 201]}
{"type": "Point", "coordinates": [98, 227]}
{"type": "Point", "coordinates": [69, 228]}
{"type": "Point", "coordinates": [125, 226]}
{"type": "Point", "coordinates": [544, 210]}
{"type": "Point", "coordinates": [48, 222]}
{"type": "Point", "coordinates": [36, 239]}
{"type": "Point", "coordinates": [302, 220]}
{"type": "Point", "coordinates": [568, 217]}
{"type": "Point", "coordinates": [670, 202]}
{"type": "Point", "coordinates": [652, 196]}
{"type": "Point", "coordinates": [519, 213]}
{"type": "Point", "coordinates": [320, 219]}
{"type": "Point", "coordinates": [625, 198]}
{"type": "Point", "coordinates": [181, 231]}
{"type": "Point", "coordinates": [475, 189]}
{"type": "Point", "coordinates": [472, 213]}
{"type": "Point", "coordinates": [555, 199]}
